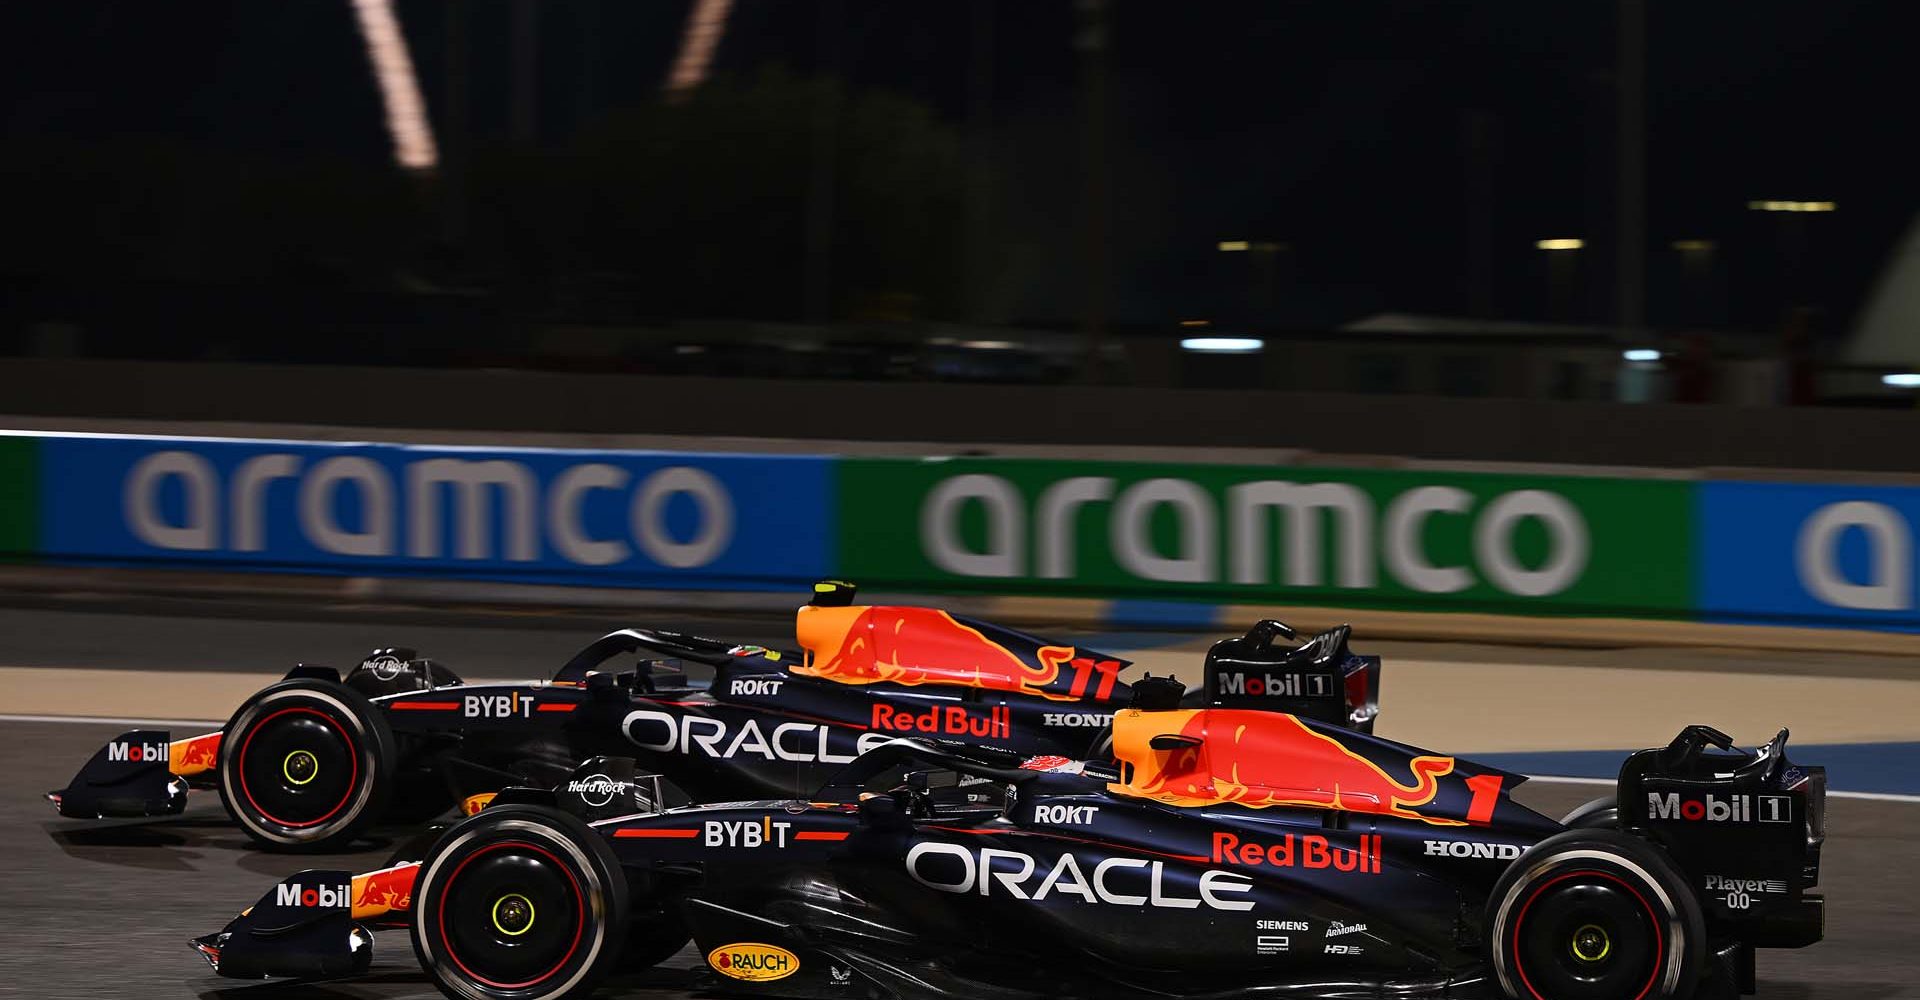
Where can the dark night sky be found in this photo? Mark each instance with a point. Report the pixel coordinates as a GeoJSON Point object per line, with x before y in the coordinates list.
{"type": "Point", "coordinates": [1336, 127]}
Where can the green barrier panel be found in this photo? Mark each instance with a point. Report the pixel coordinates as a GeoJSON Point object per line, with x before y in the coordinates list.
{"type": "Point", "coordinates": [19, 497]}
{"type": "Point", "coordinates": [1396, 539]}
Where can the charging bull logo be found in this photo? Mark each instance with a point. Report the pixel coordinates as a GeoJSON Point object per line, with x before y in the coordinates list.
{"type": "Point", "coordinates": [192, 756]}
{"type": "Point", "coordinates": [908, 645]}
{"type": "Point", "coordinates": [1260, 759]}
{"type": "Point", "coordinates": [385, 891]}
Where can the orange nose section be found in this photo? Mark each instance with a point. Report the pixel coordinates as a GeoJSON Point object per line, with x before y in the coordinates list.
{"type": "Point", "coordinates": [194, 754]}
{"type": "Point", "coordinates": [910, 645]}
{"type": "Point", "coordinates": [1259, 759]}
{"type": "Point", "coordinates": [389, 890]}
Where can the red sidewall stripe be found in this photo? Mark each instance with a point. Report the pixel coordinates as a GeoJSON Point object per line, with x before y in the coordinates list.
{"type": "Point", "coordinates": [1659, 940]}
{"type": "Point", "coordinates": [579, 922]}
{"type": "Point", "coordinates": [353, 756]}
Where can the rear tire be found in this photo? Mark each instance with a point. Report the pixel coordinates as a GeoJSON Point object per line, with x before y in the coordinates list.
{"type": "Point", "coordinates": [1594, 914]}
{"type": "Point", "coordinates": [1599, 814]}
{"type": "Point", "coordinates": [519, 903]}
{"type": "Point", "coordinates": [305, 765]}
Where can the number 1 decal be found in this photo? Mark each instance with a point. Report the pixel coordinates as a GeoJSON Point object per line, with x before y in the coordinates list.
{"type": "Point", "coordinates": [1486, 793]}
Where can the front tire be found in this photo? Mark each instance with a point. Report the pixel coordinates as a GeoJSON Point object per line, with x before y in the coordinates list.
{"type": "Point", "coordinates": [1594, 914]}
{"type": "Point", "coordinates": [306, 765]}
{"type": "Point", "coordinates": [519, 903]}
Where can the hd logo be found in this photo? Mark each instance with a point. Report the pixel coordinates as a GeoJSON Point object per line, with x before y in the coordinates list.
{"type": "Point", "coordinates": [295, 894]}
{"type": "Point", "coordinates": [135, 753]}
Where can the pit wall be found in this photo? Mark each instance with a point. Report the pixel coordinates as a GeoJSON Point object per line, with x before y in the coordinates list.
{"type": "Point", "coordinates": [1160, 541]}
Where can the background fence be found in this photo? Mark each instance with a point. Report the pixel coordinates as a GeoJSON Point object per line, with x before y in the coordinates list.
{"type": "Point", "coordinates": [1761, 552]}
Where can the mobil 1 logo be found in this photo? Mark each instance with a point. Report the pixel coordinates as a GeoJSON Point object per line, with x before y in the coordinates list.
{"type": "Point", "coordinates": [1712, 808]}
{"type": "Point", "coordinates": [1281, 685]}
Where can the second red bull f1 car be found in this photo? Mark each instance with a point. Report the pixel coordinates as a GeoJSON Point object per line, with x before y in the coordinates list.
{"type": "Point", "coordinates": [1224, 852]}
{"type": "Point", "coordinates": [308, 763]}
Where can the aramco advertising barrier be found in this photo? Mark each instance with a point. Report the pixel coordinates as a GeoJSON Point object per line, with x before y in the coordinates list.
{"type": "Point", "coordinates": [1769, 553]}
{"type": "Point", "coordinates": [1432, 540]}
{"type": "Point", "coordinates": [19, 498]}
{"type": "Point", "coordinates": [634, 519]}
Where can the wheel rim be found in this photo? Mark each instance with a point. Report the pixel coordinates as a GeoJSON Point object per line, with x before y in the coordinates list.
{"type": "Point", "coordinates": [298, 767]}
{"type": "Point", "coordinates": [1586, 936]}
{"type": "Point", "coordinates": [511, 915]}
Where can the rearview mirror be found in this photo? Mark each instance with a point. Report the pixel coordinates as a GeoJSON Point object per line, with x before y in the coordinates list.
{"type": "Point", "coordinates": [1171, 741]}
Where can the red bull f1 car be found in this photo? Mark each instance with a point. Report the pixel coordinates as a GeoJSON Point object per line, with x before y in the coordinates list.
{"type": "Point", "coordinates": [1222, 852]}
{"type": "Point", "coordinates": [307, 763]}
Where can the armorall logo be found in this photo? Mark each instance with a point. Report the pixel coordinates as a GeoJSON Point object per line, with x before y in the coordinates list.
{"type": "Point", "coordinates": [135, 753]}
{"type": "Point", "coordinates": [295, 894]}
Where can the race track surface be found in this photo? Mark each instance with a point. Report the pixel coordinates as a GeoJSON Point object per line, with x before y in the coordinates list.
{"type": "Point", "coordinates": [104, 910]}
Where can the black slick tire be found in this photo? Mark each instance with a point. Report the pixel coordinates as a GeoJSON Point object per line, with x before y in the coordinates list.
{"type": "Point", "coordinates": [305, 765]}
{"type": "Point", "coordinates": [1594, 914]}
{"type": "Point", "coordinates": [519, 902]}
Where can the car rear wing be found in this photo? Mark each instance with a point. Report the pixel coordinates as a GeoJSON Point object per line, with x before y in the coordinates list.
{"type": "Point", "coordinates": [1746, 826]}
{"type": "Point", "coordinates": [1320, 678]}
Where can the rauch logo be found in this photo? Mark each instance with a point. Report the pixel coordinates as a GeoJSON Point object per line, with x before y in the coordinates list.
{"type": "Point", "coordinates": [755, 963]}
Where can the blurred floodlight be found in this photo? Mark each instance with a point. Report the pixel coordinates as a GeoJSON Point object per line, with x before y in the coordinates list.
{"type": "Point", "coordinates": [1791, 206]}
{"type": "Point", "coordinates": [1196, 322]}
{"type": "Point", "coordinates": [1641, 354]}
{"type": "Point", "coordinates": [989, 345]}
{"type": "Point", "coordinates": [1222, 345]}
{"type": "Point", "coordinates": [1563, 244]}
{"type": "Point", "coordinates": [1230, 245]}
{"type": "Point", "coordinates": [1693, 245]}
{"type": "Point", "coordinates": [1901, 380]}
{"type": "Point", "coordinates": [413, 146]}
{"type": "Point", "coordinates": [705, 24]}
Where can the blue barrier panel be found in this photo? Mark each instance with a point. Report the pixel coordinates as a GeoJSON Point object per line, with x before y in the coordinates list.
{"type": "Point", "coordinates": [1788, 553]}
{"type": "Point", "coordinates": [650, 519]}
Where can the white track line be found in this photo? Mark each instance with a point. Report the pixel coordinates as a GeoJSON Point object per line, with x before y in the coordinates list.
{"type": "Point", "coordinates": [98, 720]}
{"type": "Point", "coordinates": [1549, 779]}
